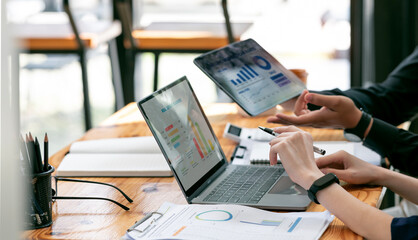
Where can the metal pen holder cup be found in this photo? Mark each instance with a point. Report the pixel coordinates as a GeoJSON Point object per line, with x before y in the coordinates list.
{"type": "Point", "coordinates": [40, 205]}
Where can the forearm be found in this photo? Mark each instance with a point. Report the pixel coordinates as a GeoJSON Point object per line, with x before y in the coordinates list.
{"type": "Point", "coordinates": [394, 100]}
{"type": "Point", "coordinates": [363, 219]}
{"type": "Point", "coordinates": [399, 104]}
{"type": "Point", "coordinates": [398, 183]}
{"type": "Point", "coordinates": [399, 146]}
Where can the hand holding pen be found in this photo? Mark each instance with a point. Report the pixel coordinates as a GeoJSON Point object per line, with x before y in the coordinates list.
{"type": "Point", "coordinates": [272, 132]}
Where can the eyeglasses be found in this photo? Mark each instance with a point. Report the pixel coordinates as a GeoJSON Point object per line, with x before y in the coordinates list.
{"type": "Point", "coordinates": [55, 193]}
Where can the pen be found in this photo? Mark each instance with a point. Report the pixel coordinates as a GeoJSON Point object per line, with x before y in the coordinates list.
{"type": "Point", "coordinates": [38, 155]}
{"type": "Point", "coordinates": [46, 153]}
{"type": "Point", "coordinates": [233, 154]}
{"type": "Point", "coordinates": [32, 154]}
{"type": "Point", "coordinates": [24, 151]}
{"type": "Point", "coordinates": [270, 131]}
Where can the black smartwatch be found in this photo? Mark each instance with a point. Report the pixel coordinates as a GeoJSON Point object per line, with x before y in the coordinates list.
{"type": "Point", "coordinates": [356, 134]}
{"type": "Point", "coordinates": [320, 184]}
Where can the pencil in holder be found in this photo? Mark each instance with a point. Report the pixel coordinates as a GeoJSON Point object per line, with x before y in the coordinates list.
{"type": "Point", "coordinates": [40, 204]}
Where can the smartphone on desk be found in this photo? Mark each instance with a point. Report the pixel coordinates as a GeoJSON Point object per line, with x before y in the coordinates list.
{"type": "Point", "coordinates": [237, 133]}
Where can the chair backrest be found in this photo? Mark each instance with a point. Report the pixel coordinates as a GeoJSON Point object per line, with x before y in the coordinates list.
{"type": "Point", "coordinates": [124, 12]}
{"type": "Point", "coordinates": [227, 22]}
{"type": "Point", "coordinates": [67, 10]}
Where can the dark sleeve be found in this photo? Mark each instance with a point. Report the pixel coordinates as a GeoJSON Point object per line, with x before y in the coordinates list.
{"type": "Point", "coordinates": [404, 228]}
{"type": "Point", "coordinates": [398, 145]}
{"type": "Point", "coordinates": [395, 100]}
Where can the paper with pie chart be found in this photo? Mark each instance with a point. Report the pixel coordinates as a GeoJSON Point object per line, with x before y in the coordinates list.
{"type": "Point", "coordinates": [250, 76]}
{"type": "Point", "coordinates": [232, 222]}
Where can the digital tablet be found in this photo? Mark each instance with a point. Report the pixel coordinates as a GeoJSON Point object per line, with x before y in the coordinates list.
{"type": "Point", "coordinates": [248, 74]}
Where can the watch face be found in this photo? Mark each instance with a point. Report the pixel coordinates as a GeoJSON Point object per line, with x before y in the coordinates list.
{"type": "Point", "coordinates": [351, 137]}
{"type": "Point", "coordinates": [325, 179]}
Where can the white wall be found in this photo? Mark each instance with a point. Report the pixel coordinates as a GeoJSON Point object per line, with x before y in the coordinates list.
{"type": "Point", "coordinates": [10, 188]}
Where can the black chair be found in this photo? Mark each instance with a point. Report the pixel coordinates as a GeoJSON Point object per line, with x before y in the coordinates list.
{"type": "Point", "coordinates": [173, 37]}
{"type": "Point", "coordinates": [72, 39]}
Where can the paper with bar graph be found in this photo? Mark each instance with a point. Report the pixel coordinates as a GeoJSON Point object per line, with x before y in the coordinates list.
{"type": "Point", "coordinates": [231, 222]}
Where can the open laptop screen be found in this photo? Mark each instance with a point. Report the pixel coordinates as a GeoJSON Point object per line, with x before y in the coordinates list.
{"type": "Point", "coordinates": [183, 133]}
{"type": "Point", "coordinates": [250, 76]}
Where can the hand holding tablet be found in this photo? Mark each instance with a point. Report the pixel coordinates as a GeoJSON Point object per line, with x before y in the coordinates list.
{"type": "Point", "coordinates": [253, 78]}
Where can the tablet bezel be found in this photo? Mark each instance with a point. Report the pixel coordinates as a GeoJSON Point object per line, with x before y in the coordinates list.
{"type": "Point", "coordinates": [198, 62]}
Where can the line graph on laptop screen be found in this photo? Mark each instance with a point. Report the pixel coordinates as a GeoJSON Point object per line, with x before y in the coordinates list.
{"type": "Point", "coordinates": [181, 129]}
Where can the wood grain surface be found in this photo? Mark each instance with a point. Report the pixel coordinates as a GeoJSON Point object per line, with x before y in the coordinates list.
{"type": "Point", "coordinates": [94, 219]}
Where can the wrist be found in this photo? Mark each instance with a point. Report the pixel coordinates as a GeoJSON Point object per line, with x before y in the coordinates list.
{"type": "Point", "coordinates": [311, 178]}
{"type": "Point", "coordinates": [368, 129]}
{"type": "Point", "coordinates": [356, 119]}
{"type": "Point", "coordinates": [381, 176]}
{"type": "Point", "coordinates": [357, 133]}
{"type": "Point", "coordinates": [321, 184]}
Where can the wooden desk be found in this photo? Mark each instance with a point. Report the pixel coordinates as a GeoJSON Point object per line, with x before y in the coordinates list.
{"type": "Point", "coordinates": [87, 219]}
{"type": "Point", "coordinates": [60, 37]}
{"type": "Point", "coordinates": [185, 36]}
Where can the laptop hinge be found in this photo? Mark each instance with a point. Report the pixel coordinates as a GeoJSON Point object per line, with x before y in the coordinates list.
{"type": "Point", "coordinates": [206, 184]}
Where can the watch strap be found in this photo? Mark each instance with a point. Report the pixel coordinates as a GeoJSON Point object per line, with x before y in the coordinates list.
{"type": "Point", "coordinates": [320, 184]}
{"type": "Point", "coordinates": [361, 127]}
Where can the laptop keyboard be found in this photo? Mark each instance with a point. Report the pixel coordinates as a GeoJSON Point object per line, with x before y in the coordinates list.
{"type": "Point", "coordinates": [245, 184]}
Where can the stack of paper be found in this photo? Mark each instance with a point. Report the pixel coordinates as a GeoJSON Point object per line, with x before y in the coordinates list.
{"type": "Point", "coordinates": [229, 222]}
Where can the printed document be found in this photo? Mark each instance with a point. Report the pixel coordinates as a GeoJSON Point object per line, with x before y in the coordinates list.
{"type": "Point", "coordinates": [229, 222]}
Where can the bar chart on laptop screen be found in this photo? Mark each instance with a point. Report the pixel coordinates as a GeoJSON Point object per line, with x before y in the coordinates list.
{"type": "Point", "coordinates": [184, 133]}
{"type": "Point", "coordinates": [186, 141]}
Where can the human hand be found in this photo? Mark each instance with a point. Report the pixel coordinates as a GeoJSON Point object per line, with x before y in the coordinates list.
{"type": "Point", "coordinates": [295, 149]}
{"type": "Point", "coordinates": [336, 112]}
{"type": "Point", "coordinates": [348, 168]}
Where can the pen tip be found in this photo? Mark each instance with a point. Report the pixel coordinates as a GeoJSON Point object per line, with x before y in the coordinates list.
{"type": "Point", "coordinates": [46, 137]}
{"type": "Point", "coordinates": [260, 127]}
{"type": "Point", "coordinates": [30, 137]}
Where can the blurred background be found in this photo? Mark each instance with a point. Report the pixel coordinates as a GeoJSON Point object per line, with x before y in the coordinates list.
{"type": "Point", "coordinates": [340, 43]}
{"type": "Point", "coordinates": [312, 35]}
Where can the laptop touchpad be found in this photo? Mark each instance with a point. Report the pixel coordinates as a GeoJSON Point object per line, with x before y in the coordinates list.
{"type": "Point", "coordinates": [286, 186]}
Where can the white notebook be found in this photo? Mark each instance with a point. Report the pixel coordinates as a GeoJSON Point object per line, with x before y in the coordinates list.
{"type": "Point", "coordinates": [116, 157]}
{"type": "Point", "coordinates": [260, 151]}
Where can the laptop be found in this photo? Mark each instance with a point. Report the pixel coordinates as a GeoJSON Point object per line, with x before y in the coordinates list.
{"type": "Point", "coordinates": [195, 156]}
{"type": "Point", "coordinates": [250, 75]}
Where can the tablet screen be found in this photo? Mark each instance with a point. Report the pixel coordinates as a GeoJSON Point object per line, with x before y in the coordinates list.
{"type": "Point", "coordinates": [250, 76]}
